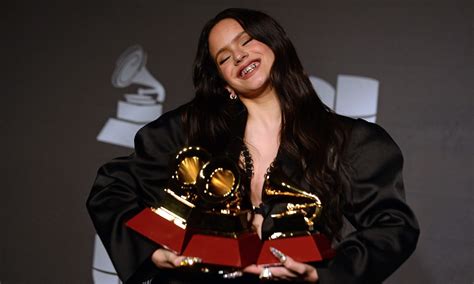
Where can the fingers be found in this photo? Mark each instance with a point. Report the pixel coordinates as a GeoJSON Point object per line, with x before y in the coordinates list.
{"type": "Point", "coordinates": [304, 272]}
{"type": "Point", "coordinates": [233, 274]}
{"type": "Point", "coordinates": [270, 272]}
{"type": "Point", "coordinates": [288, 262]}
{"type": "Point", "coordinates": [253, 269]}
{"type": "Point", "coordinates": [182, 261]}
{"type": "Point", "coordinates": [278, 254]}
{"type": "Point", "coordinates": [280, 272]}
{"type": "Point", "coordinates": [164, 258]}
{"type": "Point", "coordinates": [295, 268]}
{"type": "Point", "coordinates": [289, 269]}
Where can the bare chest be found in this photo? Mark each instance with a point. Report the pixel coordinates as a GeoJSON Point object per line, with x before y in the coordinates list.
{"type": "Point", "coordinates": [261, 154]}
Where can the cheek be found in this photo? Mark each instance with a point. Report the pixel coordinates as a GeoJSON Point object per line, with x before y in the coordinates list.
{"type": "Point", "coordinates": [271, 56]}
{"type": "Point", "coordinates": [226, 73]}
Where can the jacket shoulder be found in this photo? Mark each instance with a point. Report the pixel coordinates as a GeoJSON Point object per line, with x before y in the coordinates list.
{"type": "Point", "coordinates": [164, 134]}
{"type": "Point", "coordinates": [361, 134]}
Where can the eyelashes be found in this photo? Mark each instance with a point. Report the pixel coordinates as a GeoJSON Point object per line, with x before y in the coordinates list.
{"type": "Point", "coordinates": [247, 41]}
{"type": "Point", "coordinates": [224, 60]}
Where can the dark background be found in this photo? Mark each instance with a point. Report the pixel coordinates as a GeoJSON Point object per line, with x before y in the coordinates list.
{"type": "Point", "coordinates": [57, 95]}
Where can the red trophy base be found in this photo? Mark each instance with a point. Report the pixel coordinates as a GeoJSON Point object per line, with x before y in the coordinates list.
{"type": "Point", "coordinates": [239, 251]}
{"type": "Point", "coordinates": [168, 235]}
{"type": "Point", "coordinates": [309, 248]}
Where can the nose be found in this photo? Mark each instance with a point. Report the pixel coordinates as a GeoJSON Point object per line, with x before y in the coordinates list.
{"type": "Point", "coordinates": [239, 56]}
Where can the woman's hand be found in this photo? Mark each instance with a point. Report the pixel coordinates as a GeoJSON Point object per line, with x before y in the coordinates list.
{"type": "Point", "coordinates": [164, 258]}
{"type": "Point", "coordinates": [290, 270]}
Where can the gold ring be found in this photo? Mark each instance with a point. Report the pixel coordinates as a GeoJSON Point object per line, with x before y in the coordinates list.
{"type": "Point", "coordinates": [266, 274]}
{"type": "Point", "coordinates": [189, 261]}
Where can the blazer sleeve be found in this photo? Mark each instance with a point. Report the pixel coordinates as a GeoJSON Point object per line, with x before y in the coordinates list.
{"type": "Point", "coordinates": [386, 230]}
{"type": "Point", "coordinates": [125, 186]}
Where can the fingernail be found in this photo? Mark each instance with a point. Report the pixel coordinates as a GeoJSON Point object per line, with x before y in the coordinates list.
{"type": "Point", "coordinates": [278, 254]}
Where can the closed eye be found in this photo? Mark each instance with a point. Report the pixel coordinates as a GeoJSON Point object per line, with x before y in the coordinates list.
{"type": "Point", "coordinates": [247, 41]}
{"type": "Point", "coordinates": [224, 60]}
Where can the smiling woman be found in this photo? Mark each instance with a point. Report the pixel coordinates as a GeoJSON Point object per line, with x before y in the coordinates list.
{"type": "Point", "coordinates": [255, 105]}
{"type": "Point", "coordinates": [243, 62]}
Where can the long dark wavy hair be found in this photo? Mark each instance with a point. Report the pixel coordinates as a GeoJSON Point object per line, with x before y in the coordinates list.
{"type": "Point", "coordinates": [309, 132]}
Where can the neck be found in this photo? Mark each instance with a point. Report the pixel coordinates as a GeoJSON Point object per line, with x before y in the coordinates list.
{"type": "Point", "coordinates": [263, 110]}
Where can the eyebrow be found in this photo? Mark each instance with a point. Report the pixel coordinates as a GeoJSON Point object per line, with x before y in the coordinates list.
{"type": "Point", "coordinates": [233, 40]}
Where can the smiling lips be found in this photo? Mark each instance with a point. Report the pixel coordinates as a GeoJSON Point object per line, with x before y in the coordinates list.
{"type": "Point", "coordinates": [249, 69]}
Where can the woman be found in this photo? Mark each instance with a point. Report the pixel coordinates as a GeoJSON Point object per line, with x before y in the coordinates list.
{"type": "Point", "coordinates": [254, 103]}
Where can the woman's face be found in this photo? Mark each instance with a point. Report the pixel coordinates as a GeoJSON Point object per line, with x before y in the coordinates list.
{"type": "Point", "coordinates": [244, 63]}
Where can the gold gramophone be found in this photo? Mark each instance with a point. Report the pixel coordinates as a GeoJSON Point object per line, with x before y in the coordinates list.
{"type": "Point", "coordinates": [220, 199]}
{"type": "Point", "coordinates": [293, 223]}
{"type": "Point", "coordinates": [302, 207]}
{"type": "Point", "coordinates": [201, 208]}
{"type": "Point", "coordinates": [180, 196]}
{"type": "Point", "coordinates": [204, 194]}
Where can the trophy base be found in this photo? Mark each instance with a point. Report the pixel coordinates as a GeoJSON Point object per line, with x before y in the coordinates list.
{"type": "Point", "coordinates": [238, 251]}
{"type": "Point", "coordinates": [159, 230]}
{"type": "Point", "coordinates": [308, 248]}
{"type": "Point", "coordinates": [231, 250]}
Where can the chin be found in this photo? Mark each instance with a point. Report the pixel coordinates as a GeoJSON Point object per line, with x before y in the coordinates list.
{"type": "Point", "coordinates": [258, 81]}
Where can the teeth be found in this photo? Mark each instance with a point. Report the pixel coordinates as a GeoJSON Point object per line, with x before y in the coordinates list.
{"type": "Point", "coordinates": [248, 69]}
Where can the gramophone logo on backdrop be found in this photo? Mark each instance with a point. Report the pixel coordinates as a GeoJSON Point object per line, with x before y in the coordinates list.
{"type": "Point", "coordinates": [137, 109]}
{"type": "Point", "coordinates": [354, 96]}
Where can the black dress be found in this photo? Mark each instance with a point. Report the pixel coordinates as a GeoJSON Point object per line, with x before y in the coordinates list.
{"type": "Point", "coordinates": [386, 230]}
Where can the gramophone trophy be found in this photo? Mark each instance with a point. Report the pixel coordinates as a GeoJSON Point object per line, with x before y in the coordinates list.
{"type": "Point", "coordinates": [201, 214]}
{"type": "Point", "coordinates": [294, 227]}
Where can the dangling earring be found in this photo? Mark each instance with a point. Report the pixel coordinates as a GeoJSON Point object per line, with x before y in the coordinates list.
{"type": "Point", "coordinates": [232, 94]}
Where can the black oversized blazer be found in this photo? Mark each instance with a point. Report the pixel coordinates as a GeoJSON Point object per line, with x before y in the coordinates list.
{"type": "Point", "coordinates": [386, 230]}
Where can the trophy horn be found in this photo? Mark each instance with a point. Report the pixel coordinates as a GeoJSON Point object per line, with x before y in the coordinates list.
{"type": "Point", "coordinates": [219, 184]}
{"type": "Point", "coordinates": [188, 163]}
{"type": "Point", "coordinates": [298, 200]}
